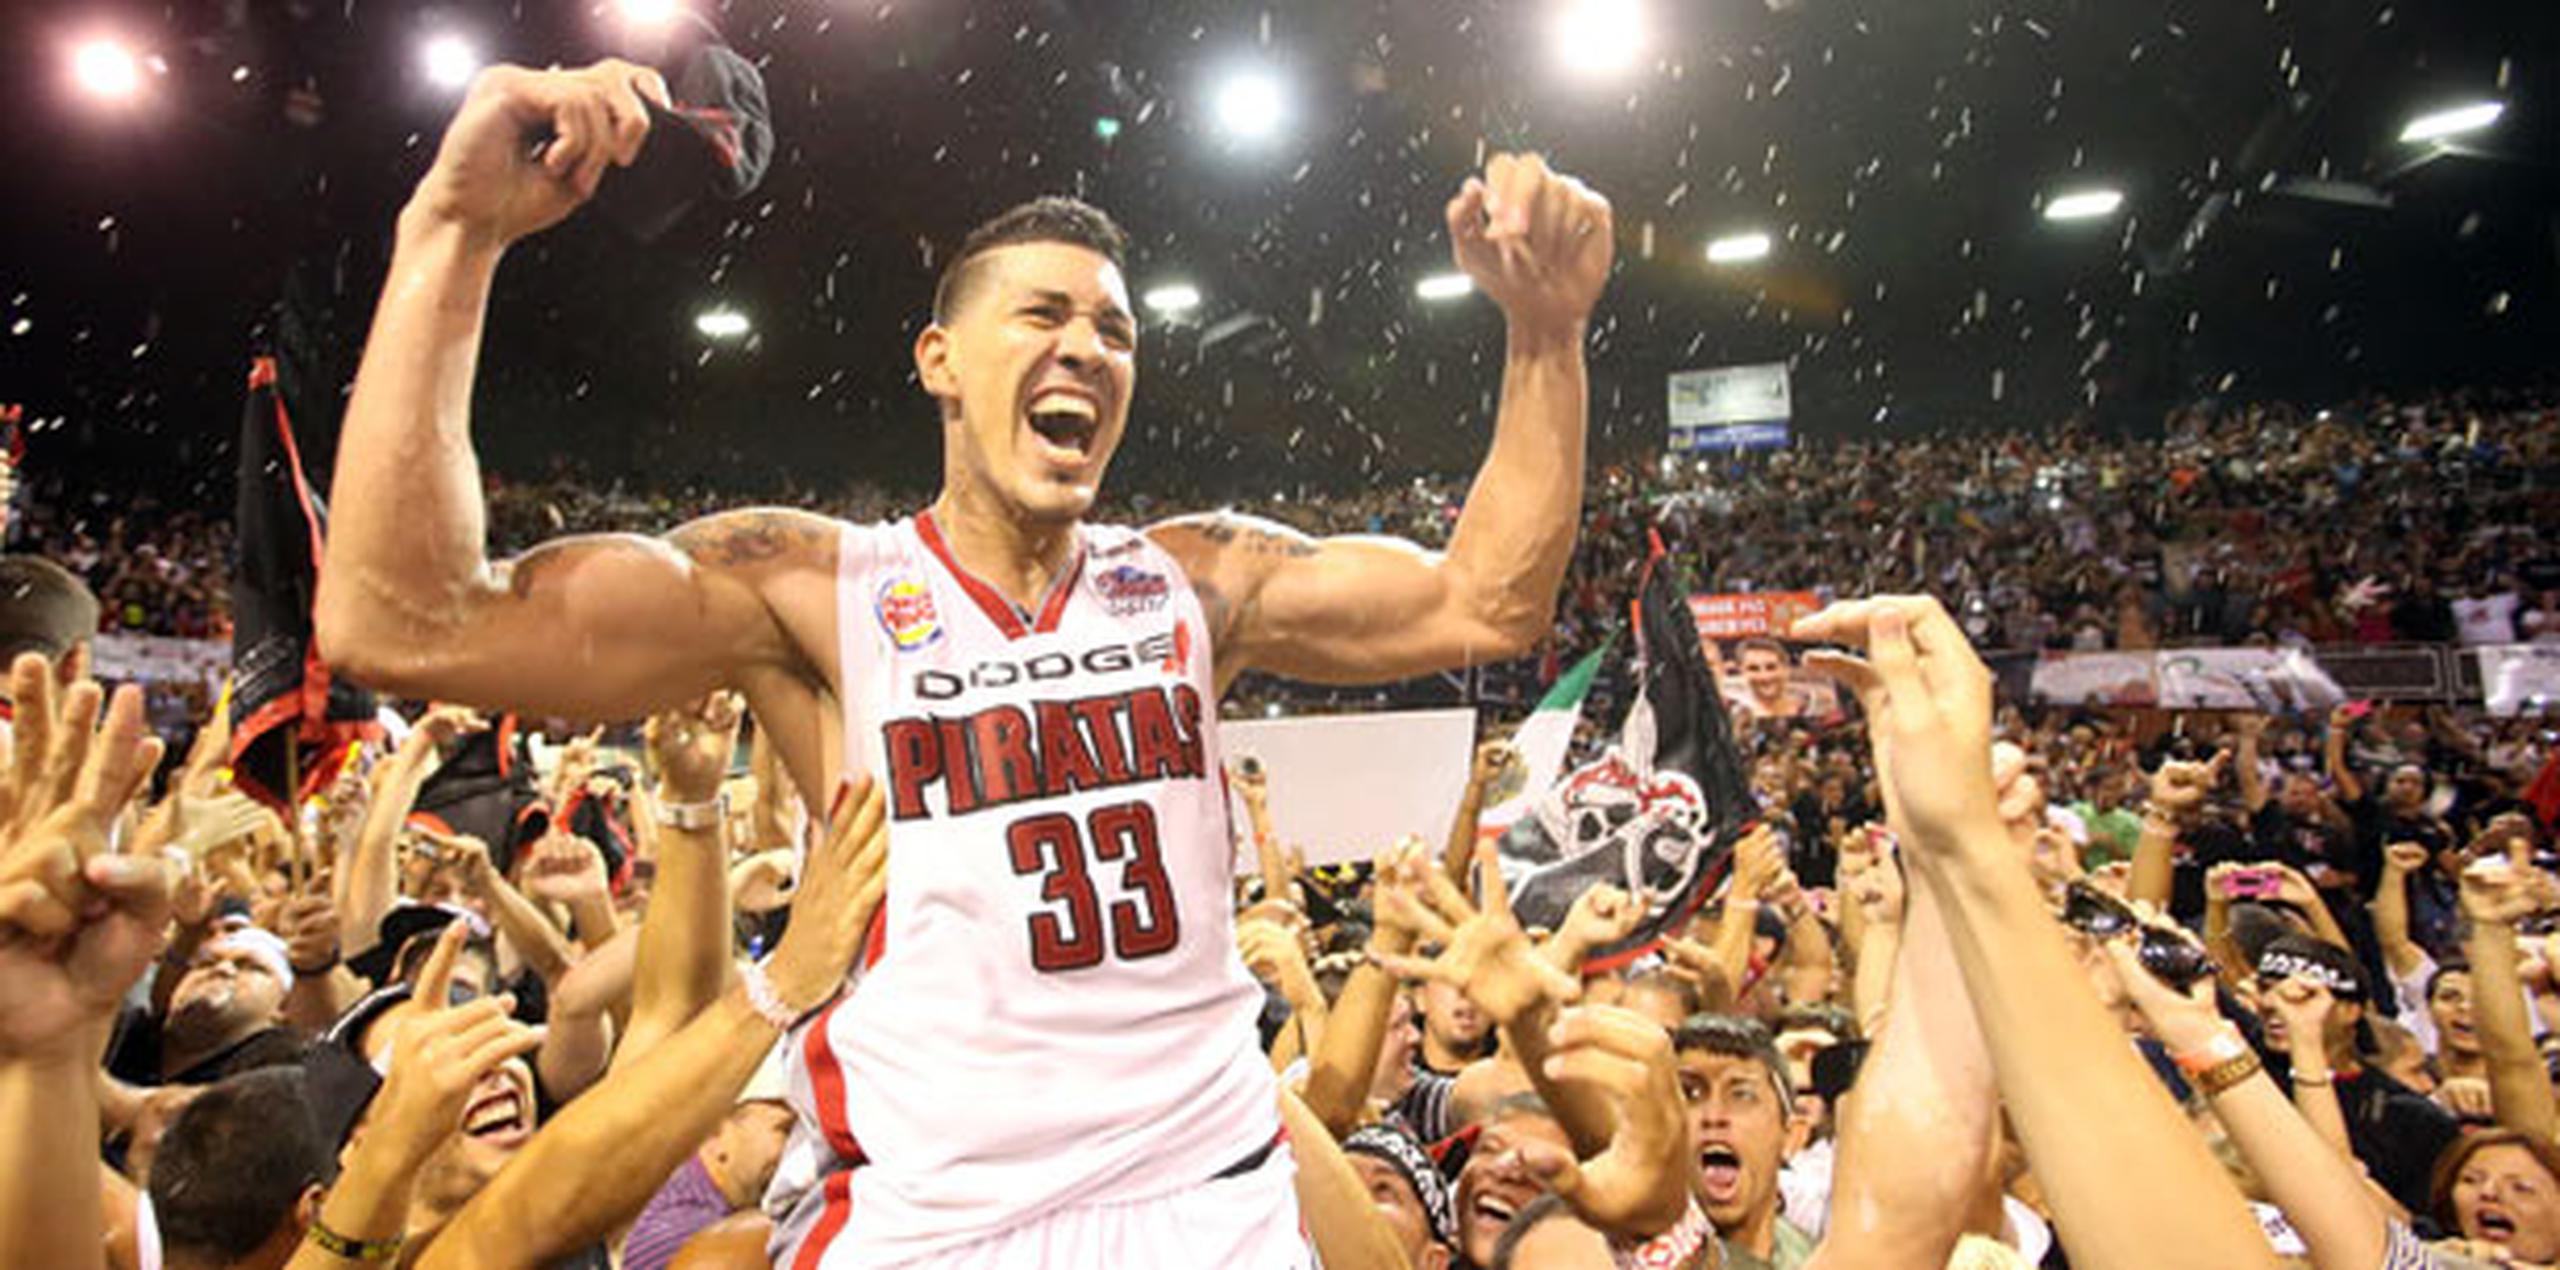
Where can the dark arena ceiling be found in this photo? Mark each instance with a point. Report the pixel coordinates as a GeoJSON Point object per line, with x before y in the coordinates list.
{"type": "Point", "coordinates": [2277, 237]}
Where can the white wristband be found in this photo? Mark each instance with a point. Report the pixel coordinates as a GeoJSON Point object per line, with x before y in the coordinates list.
{"type": "Point", "coordinates": [764, 1000]}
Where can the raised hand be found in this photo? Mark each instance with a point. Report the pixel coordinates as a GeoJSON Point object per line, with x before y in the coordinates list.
{"type": "Point", "coordinates": [1640, 1186]}
{"type": "Point", "coordinates": [442, 725]}
{"type": "Point", "coordinates": [1484, 953]}
{"type": "Point", "coordinates": [1399, 868]}
{"type": "Point", "coordinates": [78, 922]}
{"type": "Point", "coordinates": [1599, 917]}
{"type": "Point", "coordinates": [564, 868]}
{"type": "Point", "coordinates": [1540, 243]}
{"type": "Point", "coordinates": [487, 179]}
{"type": "Point", "coordinates": [2500, 890]}
{"type": "Point", "coordinates": [846, 876]}
{"type": "Point", "coordinates": [1871, 879]}
{"type": "Point", "coordinates": [1757, 864]}
{"type": "Point", "coordinates": [2179, 788]}
{"type": "Point", "coordinates": [2404, 858]}
{"type": "Point", "coordinates": [470, 859]}
{"type": "Point", "coordinates": [309, 925]}
{"type": "Point", "coordinates": [1928, 703]}
{"type": "Point", "coordinates": [1250, 780]}
{"type": "Point", "coordinates": [2186, 1022]}
{"type": "Point", "coordinates": [691, 746]}
{"type": "Point", "coordinates": [2303, 1005]}
{"type": "Point", "coordinates": [1277, 956]}
{"type": "Point", "coordinates": [202, 826]}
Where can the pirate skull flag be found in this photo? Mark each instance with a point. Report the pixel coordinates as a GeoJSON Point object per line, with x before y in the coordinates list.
{"type": "Point", "coordinates": [1659, 812]}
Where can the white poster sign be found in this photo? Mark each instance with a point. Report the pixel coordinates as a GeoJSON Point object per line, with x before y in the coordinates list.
{"type": "Point", "coordinates": [2272, 680]}
{"type": "Point", "coordinates": [2519, 678]}
{"type": "Point", "coordinates": [1344, 787]}
{"type": "Point", "coordinates": [1731, 407]}
{"type": "Point", "coordinates": [2100, 679]}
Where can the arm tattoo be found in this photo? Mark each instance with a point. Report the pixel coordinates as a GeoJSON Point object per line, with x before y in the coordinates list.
{"type": "Point", "coordinates": [1226, 531]}
{"type": "Point", "coordinates": [746, 538]}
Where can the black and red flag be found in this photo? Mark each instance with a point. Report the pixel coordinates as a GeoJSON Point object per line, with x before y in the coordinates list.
{"type": "Point", "coordinates": [1658, 813]}
{"type": "Point", "coordinates": [294, 720]}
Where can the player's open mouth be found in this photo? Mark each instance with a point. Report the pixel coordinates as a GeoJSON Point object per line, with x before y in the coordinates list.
{"type": "Point", "coordinates": [1067, 420]}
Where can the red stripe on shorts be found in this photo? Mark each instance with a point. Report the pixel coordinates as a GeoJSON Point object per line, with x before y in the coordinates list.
{"type": "Point", "coordinates": [826, 1086]}
{"type": "Point", "coordinates": [831, 1221]}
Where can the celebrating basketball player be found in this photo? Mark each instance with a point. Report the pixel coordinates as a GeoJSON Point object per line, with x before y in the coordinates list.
{"type": "Point", "coordinates": [1052, 1059]}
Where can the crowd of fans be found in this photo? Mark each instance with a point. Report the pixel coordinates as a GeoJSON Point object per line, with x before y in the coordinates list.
{"type": "Point", "coordinates": [1984, 985]}
{"type": "Point", "coordinates": [2381, 521]}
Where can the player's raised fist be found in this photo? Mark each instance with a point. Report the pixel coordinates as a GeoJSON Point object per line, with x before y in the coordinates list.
{"type": "Point", "coordinates": [529, 146]}
{"type": "Point", "coordinates": [1539, 242]}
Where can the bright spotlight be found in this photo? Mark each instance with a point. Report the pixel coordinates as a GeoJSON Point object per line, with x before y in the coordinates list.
{"type": "Point", "coordinates": [2084, 205]}
{"type": "Point", "coordinates": [721, 324]}
{"type": "Point", "coordinates": [1172, 300]}
{"type": "Point", "coordinates": [1599, 38]}
{"type": "Point", "coordinates": [651, 12]}
{"type": "Point", "coordinates": [106, 69]}
{"type": "Point", "coordinates": [449, 61]}
{"type": "Point", "coordinates": [2453, 123]}
{"type": "Point", "coordinates": [1250, 105]}
{"type": "Point", "coordinates": [1738, 249]}
{"type": "Point", "coordinates": [1444, 286]}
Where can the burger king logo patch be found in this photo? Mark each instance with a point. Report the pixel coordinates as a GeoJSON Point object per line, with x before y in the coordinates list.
{"type": "Point", "coordinates": [906, 614]}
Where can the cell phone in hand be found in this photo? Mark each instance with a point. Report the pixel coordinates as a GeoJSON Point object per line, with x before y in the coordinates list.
{"type": "Point", "coordinates": [2252, 884]}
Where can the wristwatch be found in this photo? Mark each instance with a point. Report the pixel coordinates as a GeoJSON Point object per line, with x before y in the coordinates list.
{"type": "Point", "coordinates": [695, 817]}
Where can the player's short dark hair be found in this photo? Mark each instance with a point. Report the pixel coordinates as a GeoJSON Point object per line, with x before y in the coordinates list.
{"type": "Point", "coordinates": [44, 608]}
{"type": "Point", "coordinates": [1053, 218]}
{"type": "Point", "coordinates": [233, 1164]}
{"type": "Point", "coordinates": [1760, 644]}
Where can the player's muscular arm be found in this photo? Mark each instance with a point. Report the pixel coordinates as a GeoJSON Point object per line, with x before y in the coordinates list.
{"type": "Point", "coordinates": [598, 626]}
{"type": "Point", "coordinates": [409, 602]}
{"type": "Point", "coordinates": [1357, 610]}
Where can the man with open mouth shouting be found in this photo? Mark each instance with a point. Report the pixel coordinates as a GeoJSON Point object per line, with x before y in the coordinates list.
{"type": "Point", "coordinates": [1051, 1057]}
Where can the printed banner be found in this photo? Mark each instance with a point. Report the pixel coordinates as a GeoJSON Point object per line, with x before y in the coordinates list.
{"type": "Point", "coordinates": [159, 659]}
{"type": "Point", "coordinates": [2096, 679]}
{"type": "Point", "coordinates": [2272, 680]}
{"type": "Point", "coordinates": [1758, 669]}
{"type": "Point", "coordinates": [2519, 678]}
{"type": "Point", "coordinates": [1345, 787]}
{"type": "Point", "coordinates": [1730, 407]}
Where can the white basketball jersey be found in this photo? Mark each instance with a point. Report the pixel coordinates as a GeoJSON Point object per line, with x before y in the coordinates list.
{"type": "Point", "coordinates": [1057, 1015]}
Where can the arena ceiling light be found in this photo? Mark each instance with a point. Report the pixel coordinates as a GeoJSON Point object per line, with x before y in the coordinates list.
{"type": "Point", "coordinates": [1599, 39]}
{"type": "Point", "coordinates": [2086, 204]}
{"type": "Point", "coordinates": [106, 68]}
{"type": "Point", "coordinates": [1172, 299]}
{"type": "Point", "coordinates": [723, 323]}
{"type": "Point", "coordinates": [650, 13]}
{"type": "Point", "coordinates": [449, 61]}
{"type": "Point", "coordinates": [1735, 249]}
{"type": "Point", "coordinates": [1445, 286]}
{"type": "Point", "coordinates": [1250, 104]}
{"type": "Point", "coordinates": [2440, 124]}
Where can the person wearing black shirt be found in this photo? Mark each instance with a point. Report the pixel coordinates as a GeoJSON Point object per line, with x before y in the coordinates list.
{"type": "Point", "coordinates": [2395, 1132]}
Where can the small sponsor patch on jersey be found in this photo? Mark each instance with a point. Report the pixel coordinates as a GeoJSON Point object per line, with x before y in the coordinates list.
{"type": "Point", "coordinates": [1127, 589]}
{"type": "Point", "coordinates": [906, 613]}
